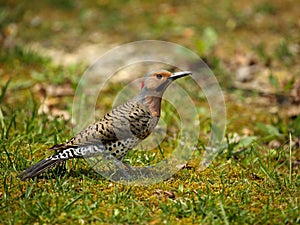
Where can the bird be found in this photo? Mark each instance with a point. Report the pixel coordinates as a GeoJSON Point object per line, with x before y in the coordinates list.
{"type": "Point", "coordinates": [119, 130]}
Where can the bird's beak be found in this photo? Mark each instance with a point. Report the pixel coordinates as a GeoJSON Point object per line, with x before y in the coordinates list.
{"type": "Point", "coordinates": [177, 75]}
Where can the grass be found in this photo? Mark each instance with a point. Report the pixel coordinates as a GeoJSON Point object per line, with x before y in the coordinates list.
{"type": "Point", "coordinates": [254, 181]}
{"type": "Point", "coordinates": [257, 185]}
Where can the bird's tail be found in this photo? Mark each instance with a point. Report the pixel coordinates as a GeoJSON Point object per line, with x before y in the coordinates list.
{"type": "Point", "coordinates": [45, 164]}
{"type": "Point", "coordinates": [65, 152]}
{"type": "Point", "coordinates": [39, 168]}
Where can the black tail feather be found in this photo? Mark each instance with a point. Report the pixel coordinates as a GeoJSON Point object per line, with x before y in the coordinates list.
{"type": "Point", "coordinates": [64, 154]}
{"type": "Point", "coordinates": [39, 168]}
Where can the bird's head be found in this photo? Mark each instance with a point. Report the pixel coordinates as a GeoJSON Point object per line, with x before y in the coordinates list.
{"type": "Point", "coordinates": [153, 87]}
{"type": "Point", "coordinates": [156, 82]}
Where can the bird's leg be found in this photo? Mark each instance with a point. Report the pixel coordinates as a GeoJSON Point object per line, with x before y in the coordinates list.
{"type": "Point", "coordinates": [124, 172]}
{"type": "Point", "coordinates": [128, 167]}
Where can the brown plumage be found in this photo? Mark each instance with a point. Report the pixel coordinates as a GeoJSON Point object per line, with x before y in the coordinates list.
{"type": "Point", "coordinates": [118, 131]}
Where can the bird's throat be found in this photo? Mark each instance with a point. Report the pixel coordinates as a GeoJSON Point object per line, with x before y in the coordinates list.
{"type": "Point", "coordinates": [153, 103]}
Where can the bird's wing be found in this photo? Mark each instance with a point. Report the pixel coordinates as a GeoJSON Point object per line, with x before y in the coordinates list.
{"type": "Point", "coordinates": [98, 133]}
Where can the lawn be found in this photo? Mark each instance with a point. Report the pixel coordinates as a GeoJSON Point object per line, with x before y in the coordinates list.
{"type": "Point", "coordinates": [253, 50]}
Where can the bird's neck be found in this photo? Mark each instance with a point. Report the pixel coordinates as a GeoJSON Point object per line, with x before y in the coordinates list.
{"type": "Point", "coordinates": [153, 103]}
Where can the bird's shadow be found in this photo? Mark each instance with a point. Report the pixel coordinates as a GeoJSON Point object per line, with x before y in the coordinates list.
{"type": "Point", "coordinates": [60, 171]}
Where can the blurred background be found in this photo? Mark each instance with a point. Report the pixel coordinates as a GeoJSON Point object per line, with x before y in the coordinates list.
{"type": "Point", "coordinates": [253, 49]}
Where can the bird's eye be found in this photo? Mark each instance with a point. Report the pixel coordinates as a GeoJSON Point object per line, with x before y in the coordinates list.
{"type": "Point", "coordinates": [159, 76]}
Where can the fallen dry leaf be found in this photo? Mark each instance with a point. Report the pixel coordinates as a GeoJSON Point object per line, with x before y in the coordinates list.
{"type": "Point", "coordinates": [169, 194]}
{"type": "Point", "coordinates": [51, 96]}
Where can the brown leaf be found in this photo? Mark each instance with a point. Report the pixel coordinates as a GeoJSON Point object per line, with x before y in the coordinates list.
{"type": "Point", "coordinates": [295, 93]}
{"type": "Point", "coordinates": [169, 194]}
{"type": "Point", "coordinates": [51, 97]}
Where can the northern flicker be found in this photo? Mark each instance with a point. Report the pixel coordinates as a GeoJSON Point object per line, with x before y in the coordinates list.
{"type": "Point", "coordinates": [118, 131]}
